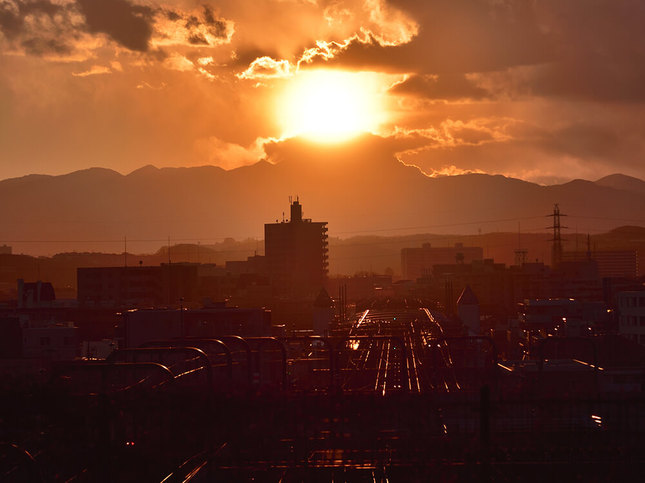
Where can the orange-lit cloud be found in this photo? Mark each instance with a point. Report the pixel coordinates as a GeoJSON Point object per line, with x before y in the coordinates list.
{"type": "Point", "coordinates": [267, 68]}
{"type": "Point", "coordinates": [216, 152]}
{"type": "Point", "coordinates": [94, 70]}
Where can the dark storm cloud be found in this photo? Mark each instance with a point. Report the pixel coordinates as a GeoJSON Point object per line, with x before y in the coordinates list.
{"type": "Point", "coordinates": [51, 29]}
{"type": "Point", "coordinates": [192, 22]}
{"type": "Point", "coordinates": [445, 86]}
{"type": "Point", "coordinates": [43, 27]}
{"type": "Point", "coordinates": [48, 32]}
{"type": "Point", "coordinates": [458, 36]}
{"type": "Point", "coordinates": [468, 135]}
{"type": "Point", "coordinates": [41, 46]}
{"type": "Point", "coordinates": [128, 24]}
{"type": "Point", "coordinates": [209, 18]}
{"type": "Point", "coordinates": [12, 14]}
{"type": "Point", "coordinates": [216, 27]}
{"type": "Point", "coordinates": [584, 140]}
{"type": "Point", "coordinates": [11, 19]}
{"type": "Point", "coordinates": [598, 77]}
{"type": "Point", "coordinates": [243, 58]}
{"type": "Point", "coordinates": [575, 49]}
{"type": "Point", "coordinates": [172, 15]}
{"type": "Point", "coordinates": [197, 39]}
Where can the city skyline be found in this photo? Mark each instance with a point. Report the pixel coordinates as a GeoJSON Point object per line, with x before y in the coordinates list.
{"type": "Point", "coordinates": [546, 91]}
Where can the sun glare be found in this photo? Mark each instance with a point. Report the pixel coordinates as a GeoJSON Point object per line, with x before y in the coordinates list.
{"type": "Point", "coordinates": [331, 106]}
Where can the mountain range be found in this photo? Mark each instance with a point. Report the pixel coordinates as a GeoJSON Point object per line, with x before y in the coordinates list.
{"type": "Point", "coordinates": [358, 190]}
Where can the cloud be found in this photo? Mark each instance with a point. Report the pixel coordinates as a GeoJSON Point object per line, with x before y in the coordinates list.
{"type": "Point", "coordinates": [43, 46]}
{"type": "Point", "coordinates": [586, 148]}
{"type": "Point", "coordinates": [445, 86]}
{"type": "Point", "coordinates": [178, 62]}
{"type": "Point", "coordinates": [454, 36]}
{"type": "Point", "coordinates": [60, 28]}
{"type": "Point", "coordinates": [389, 26]}
{"type": "Point", "coordinates": [17, 16]}
{"type": "Point", "coordinates": [39, 27]}
{"type": "Point", "coordinates": [95, 70]}
{"type": "Point", "coordinates": [128, 24]}
{"type": "Point", "coordinates": [267, 68]}
{"type": "Point", "coordinates": [452, 170]}
{"type": "Point", "coordinates": [346, 23]}
{"type": "Point", "coordinates": [192, 28]}
{"type": "Point", "coordinates": [578, 50]}
{"type": "Point", "coordinates": [147, 85]}
{"type": "Point", "coordinates": [367, 151]}
{"type": "Point", "coordinates": [227, 155]}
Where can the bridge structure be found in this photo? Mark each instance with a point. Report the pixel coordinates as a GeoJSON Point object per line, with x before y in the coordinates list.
{"type": "Point", "coordinates": [389, 396]}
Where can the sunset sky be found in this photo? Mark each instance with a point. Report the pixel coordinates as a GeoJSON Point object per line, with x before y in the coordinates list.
{"type": "Point", "coordinates": [544, 90]}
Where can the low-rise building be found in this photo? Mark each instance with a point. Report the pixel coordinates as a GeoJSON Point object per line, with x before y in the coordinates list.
{"type": "Point", "coordinates": [140, 326]}
{"type": "Point", "coordinates": [420, 261]}
{"type": "Point", "coordinates": [630, 309]}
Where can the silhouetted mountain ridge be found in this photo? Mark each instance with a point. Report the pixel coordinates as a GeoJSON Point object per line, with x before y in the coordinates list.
{"type": "Point", "coordinates": [623, 182]}
{"type": "Point", "coordinates": [357, 189]}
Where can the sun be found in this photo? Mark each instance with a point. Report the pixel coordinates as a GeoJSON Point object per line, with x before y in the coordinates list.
{"type": "Point", "coordinates": [331, 105]}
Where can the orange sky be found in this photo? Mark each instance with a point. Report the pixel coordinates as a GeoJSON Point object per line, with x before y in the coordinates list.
{"type": "Point", "coordinates": [546, 90]}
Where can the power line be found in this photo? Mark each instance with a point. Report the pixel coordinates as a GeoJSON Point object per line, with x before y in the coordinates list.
{"type": "Point", "coordinates": [332, 234]}
{"type": "Point", "coordinates": [443, 225]}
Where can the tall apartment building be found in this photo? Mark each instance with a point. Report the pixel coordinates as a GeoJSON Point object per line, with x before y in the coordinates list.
{"type": "Point", "coordinates": [296, 255]}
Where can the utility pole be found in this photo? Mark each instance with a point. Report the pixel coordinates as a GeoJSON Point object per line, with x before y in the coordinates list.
{"type": "Point", "coordinates": [521, 254]}
{"type": "Point", "coordinates": [556, 247]}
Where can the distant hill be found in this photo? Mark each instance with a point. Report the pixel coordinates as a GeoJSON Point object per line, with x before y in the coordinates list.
{"type": "Point", "coordinates": [622, 182]}
{"type": "Point", "coordinates": [360, 189]}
